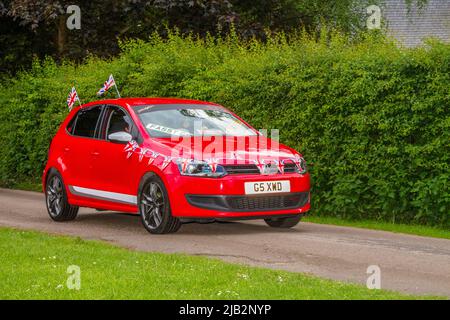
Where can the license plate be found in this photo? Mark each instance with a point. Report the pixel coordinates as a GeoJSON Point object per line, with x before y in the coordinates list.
{"type": "Point", "coordinates": [262, 187]}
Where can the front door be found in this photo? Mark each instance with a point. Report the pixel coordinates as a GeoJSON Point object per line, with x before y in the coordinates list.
{"type": "Point", "coordinates": [117, 173]}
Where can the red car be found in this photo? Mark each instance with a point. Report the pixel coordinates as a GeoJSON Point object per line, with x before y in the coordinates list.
{"type": "Point", "coordinates": [170, 161]}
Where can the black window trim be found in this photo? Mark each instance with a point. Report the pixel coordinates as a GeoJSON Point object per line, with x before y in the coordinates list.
{"type": "Point", "coordinates": [75, 119]}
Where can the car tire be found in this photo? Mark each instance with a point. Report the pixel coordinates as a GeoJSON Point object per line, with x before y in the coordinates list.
{"type": "Point", "coordinates": [283, 222]}
{"type": "Point", "coordinates": [154, 207]}
{"type": "Point", "coordinates": [58, 206]}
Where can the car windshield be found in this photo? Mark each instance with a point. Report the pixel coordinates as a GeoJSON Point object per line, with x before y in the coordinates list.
{"type": "Point", "coordinates": [164, 121]}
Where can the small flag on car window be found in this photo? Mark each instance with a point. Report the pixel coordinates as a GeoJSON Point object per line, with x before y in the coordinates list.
{"type": "Point", "coordinates": [108, 85]}
{"type": "Point", "coordinates": [72, 98]}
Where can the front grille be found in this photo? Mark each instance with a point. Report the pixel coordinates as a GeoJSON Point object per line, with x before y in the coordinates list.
{"type": "Point", "coordinates": [249, 203]}
{"type": "Point", "coordinates": [253, 169]}
{"type": "Point", "coordinates": [259, 203]}
{"type": "Point", "coordinates": [241, 169]}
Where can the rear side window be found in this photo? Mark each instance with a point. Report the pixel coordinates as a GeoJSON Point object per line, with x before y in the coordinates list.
{"type": "Point", "coordinates": [71, 125]}
{"type": "Point", "coordinates": [86, 122]}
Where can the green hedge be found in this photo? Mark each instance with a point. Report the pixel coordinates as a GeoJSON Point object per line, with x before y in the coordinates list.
{"type": "Point", "coordinates": [371, 118]}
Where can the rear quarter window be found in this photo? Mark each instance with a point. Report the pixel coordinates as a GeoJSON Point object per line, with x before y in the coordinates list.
{"type": "Point", "coordinates": [71, 124]}
{"type": "Point", "coordinates": [85, 122]}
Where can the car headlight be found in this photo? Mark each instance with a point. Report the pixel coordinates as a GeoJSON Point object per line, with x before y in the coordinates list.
{"type": "Point", "coordinates": [196, 168]}
{"type": "Point", "coordinates": [300, 164]}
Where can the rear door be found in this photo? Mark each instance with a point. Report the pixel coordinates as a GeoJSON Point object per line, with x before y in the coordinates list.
{"type": "Point", "coordinates": [80, 149]}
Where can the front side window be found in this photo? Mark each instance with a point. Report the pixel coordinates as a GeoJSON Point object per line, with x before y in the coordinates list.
{"type": "Point", "coordinates": [86, 122]}
{"type": "Point", "coordinates": [191, 120]}
{"type": "Point", "coordinates": [118, 121]}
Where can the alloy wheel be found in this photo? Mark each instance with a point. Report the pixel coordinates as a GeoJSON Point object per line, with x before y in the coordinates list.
{"type": "Point", "coordinates": [55, 196]}
{"type": "Point", "coordinates": [152, 205]}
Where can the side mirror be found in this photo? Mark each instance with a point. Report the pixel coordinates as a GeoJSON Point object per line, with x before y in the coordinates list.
{"type": "Point", "coordinates": [120, 137]}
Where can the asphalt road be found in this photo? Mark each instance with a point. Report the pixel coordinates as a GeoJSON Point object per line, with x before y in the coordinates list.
{"type": "Point", "coordinates": [409, 264]}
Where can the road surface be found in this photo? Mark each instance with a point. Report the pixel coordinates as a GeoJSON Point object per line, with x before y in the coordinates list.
{"type": "Point", "coordinates": [410, 264]}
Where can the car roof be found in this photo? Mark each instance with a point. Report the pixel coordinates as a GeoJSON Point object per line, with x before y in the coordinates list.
{"type": "Point", "coordinates": [146, 101]}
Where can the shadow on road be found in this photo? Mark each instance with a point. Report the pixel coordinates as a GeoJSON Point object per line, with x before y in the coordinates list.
{"type": "Point", "coordinates": [131, 222]}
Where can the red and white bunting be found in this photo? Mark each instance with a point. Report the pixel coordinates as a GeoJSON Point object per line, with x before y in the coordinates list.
{"type": "Point", "coordinates": [130, 148]}
{"type": "Point", "coordinates": [166, 161]}
{"type": "Point", "coordinates": [184, 162]}
{"type": "Point", "coordinates": [152, 157]}
{"type": "Point", "coordinates": [280, 165]}
{"type": "Point", "coordinates": [212, 163]}
{"type": "Point", "coordinates": [142, 153]}
{"type": "Point", "coordinates": [260, 164]}
{"type": "Point", "coordinates": [298, 161]}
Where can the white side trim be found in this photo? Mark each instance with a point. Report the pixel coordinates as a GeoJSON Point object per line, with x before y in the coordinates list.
{"type": "Point", "coordinates": [105, 195]}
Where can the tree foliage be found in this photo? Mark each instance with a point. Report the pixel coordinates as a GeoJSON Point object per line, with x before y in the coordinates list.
{"type": "Point", "coordinates": [37, 28]}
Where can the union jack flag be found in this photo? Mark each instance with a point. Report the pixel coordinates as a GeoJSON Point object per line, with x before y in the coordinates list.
{"type": "Point", "coordinates": [213, 162]}
{"type": "Point", "coordinates": [142, 153]}
{"type": "Point", "coordinates": [299, 162]}
{"type": "Point", "coordinates": [260, 164]}
{"type": "Point", "coordinates": [280, 165]}
{"type": "Point", "coordinates": [166, 161]}
{"type": "Point", "coordinates": [130, 148]}
{"type": "Point", "coordinates": [152, 157]}
{"type": "Point", "coordinates": [73, 96]}
{"type": "Point", "coordinates": [107, 85]}
{"type": "Point", "coordinates": [184, 162]}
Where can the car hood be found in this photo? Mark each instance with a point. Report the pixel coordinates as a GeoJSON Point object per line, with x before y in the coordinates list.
{"type": "Point", "coordinates": [224, 149]}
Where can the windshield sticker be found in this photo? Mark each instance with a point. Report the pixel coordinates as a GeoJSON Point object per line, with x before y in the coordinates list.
{"type": "Point", "coordinates": [146, 108]}
{"type": "Point", "coordinates": [175, 132]}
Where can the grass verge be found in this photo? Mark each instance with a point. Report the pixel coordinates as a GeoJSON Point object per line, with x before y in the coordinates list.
{"type": "Point", "coordinates": [34, 266]}
{"type": "Point", "coordinates": [418, 230]}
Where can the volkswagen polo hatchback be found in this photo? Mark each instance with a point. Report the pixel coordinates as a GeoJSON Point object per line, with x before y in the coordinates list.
{"type": "Point", "coordinates": [170, 161]}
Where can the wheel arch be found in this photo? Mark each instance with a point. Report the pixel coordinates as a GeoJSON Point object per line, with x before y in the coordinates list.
{"type": "Point", "coordinates": [47, 173]}
{"type": "Point", "coordinates": [147, 175]}
{"type": "Point", "coordinates": [168, 222]}
{"type": "Point", "coordinates": [143, 179]}
{"type": "Point", "coordinates": [45, 179]}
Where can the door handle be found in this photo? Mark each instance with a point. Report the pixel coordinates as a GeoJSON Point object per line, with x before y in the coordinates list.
{"type": "Point", "coordinates": [95, 153]}
{"type": "Point", "coordinates": [66, 149]}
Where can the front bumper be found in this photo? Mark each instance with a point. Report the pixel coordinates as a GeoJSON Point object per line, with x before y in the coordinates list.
{"type": "Point", "coordinates": [194, 197]}
{"type": "Point", "coordinates": [247, 203]}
